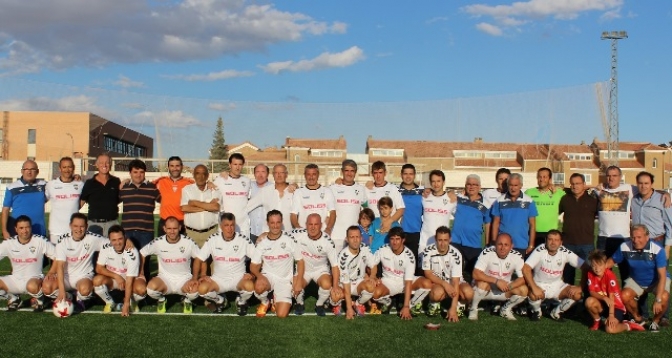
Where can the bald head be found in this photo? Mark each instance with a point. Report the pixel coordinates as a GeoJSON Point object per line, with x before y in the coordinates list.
{"type": "Point", "coordinates": [29, 171]}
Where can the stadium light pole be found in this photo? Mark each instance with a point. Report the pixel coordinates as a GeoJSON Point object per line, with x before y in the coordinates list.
{"type": "Point", "coordinates": [612, 135]}
{"type": "Point", "coordinates": [72, 143]}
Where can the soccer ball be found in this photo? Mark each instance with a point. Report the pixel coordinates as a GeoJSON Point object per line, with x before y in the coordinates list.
{"type": "Point", "coordinates": [63, 309]}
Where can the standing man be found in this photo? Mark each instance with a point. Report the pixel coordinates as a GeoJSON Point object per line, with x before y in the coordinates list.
{"type": "Point", "coordinates": [579, 209]}
{"type": "Point", "coordinates": [275, 197]}
{"type": "Point", "coordinates": [411, 221]}
{"type": "Point", "coordinates": [313, 198]}
{"type": "Point", "coordinates": [25, 197]}
{"type": "Point", "coordinates": [491, 195]}
{"type": "Point", "coordinates": [547, 200]}
{"type": "Point", "coordinates": [170, 188]}
{"type": "Point", "coordinates": [614, 215]}
{"type": "Point", "coordinates": [200, 205]}
{"type": "Point", "coordinates": [382, 188]}
{"type": "Point", "coordinates": [472, 221]}
{"type": "Point", "coordinates": [63, 193]}
{"type": "Point", "coordinates": [102, 194]}
{"type": "Point", "coordinates": [438, 208]}
{"type": "Point", "coordinates": [648, 209]}
{"type": "Point", "coordinates": [139, 198]}
{"type": "Point", "coordinates": [235, 189]}
{"type": "Point", "coordinates": [258, 215]}
{"type": "Point", "coordinates": [514, 213]}
{"type": "Point", "coordinates": [349, 198]}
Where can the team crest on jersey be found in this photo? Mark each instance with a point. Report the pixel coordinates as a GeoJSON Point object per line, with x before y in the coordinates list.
{"type": "Point", "coordinates": [650, 256]}
{"type": "Point", "coordinates": [508, 265]}
{"type": "Point", "coordinates": [39, 188]}
{"type": "Point", "coordinates": [87, 247]}
{"type": "Point", "coordinates": [612, 283]}
{"type": "Point", "coordinates": [321, 195]}
{"type": "Point", "coordinates": [356, 192]}
{"type": "Point", "coordinates": [319, 248]}
{"type": "Point", "coordinates": [559, 263]}
{"type": "Point", "coordinates": [480, 207]}
{"type": "Point", "coordinates": [445, 201]}
{"type": "Point", "coordinates": [123, 261]}
{"type": "Point", "coordinates": [283, 245]}
{"type": "Point", "coordinates": [182, 249]}
{"type": "Point", "coordinates": [32, 249]}
{"type": "Point", "coordinates": [387, 193]}
{"type": "Point", "coordinates": [243, 184]}
{"type": "Point", "coordinates": [401, 262]}
{"type": "Point", "coordinates": [522, 205]}
{"type": "Point", "coordinates": [235, 248]}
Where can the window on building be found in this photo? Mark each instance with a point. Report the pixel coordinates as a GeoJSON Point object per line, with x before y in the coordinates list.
{"type": "Point", "coordinates": [31, 136]}
{"type": "Point", "coordinates": [387, 152]}
{"type": "Point", "coordinates": [468, 154]}
{"type": "Point", "coordinates": [1, 134]}
{"type": "Point", "coordinates": [500, 155]}
{"type": "Point", "coordinates": [589, 178]}
{"type": "Point", "coordinates": [654, 165]}
{"type": "Point", "coordinates": [620, 154]}
{"type": "Point", "coordinates": [559, 178]}
{"type": "Point", "coordinates": [576, 156]}
{"type": "Point", "coordinates": [119, 146]}
{"type": "Point", "coordinates": [326, 153]}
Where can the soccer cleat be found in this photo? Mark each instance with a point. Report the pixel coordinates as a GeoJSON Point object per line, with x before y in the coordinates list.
{"type": "Point", "coordinates": [261, 309]}
{"type": "Point", "coordinates": [634, 326]}
{"type": "Point", "coordinates": [300, 309]}
{"type": "Point", "coordinates": [188, 307]}
{"type": "Point", "coordinates": [555, 314]}
{"type": "Point", "coordinates": [37, 305]}
{"type": "Point", "coordinates": [596, 325]}
{"type": "Point", "coordinates": [461, 307]}
{"type": "Point", "coordinates": [385, 309]}
{"type": "Point", "coordinates": [473, 314]}
{"type": "Point", "coordinates": [417, 310]}
{"type": "Point", "coordinates": [80, 306]}
{"type": "Point", "coordinates": [336, 310]}
{"type": "Point", "coordinates": [653, 327]}
{"type": "Point", "coordinates": [219, 308]}
{"type": "Point", "coordinates": [374, 309]}
{"type": "Point", "coordinates": [535, 315]}
{"type": "Point", "coordinates": [13, 303]}
{"type": "Point", "coordinates": [241, 309]}
{"type": "Point", "coordinates": [360, 309]}
{"type": "Point", "coordinates": [161, 306]}
{"type": "Point", "coordinates": [434, 309]}
{"type": "Point", "coordinates": [495, 309]}
{"type": "Point", "coordinates": [319, 310]}
{"type": "Point", "coordinates": [134, 307]}
{"type": "Point", "coordinates": [507, 313]}
{"type": "Point", "coordinates": [225, 303]}
{"type": "Point", "coordinates": [108, 308]}
{"type": "Point", "coordinates": [521, 310]}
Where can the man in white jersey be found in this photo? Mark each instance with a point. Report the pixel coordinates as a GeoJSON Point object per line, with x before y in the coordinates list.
{"type": "Point", "coordinates": [178, 271]}
{"type": "Point", "coordinates": [381, 188]}
{"type": "Point", "coordinates": [349, 197]}
{"type": "Point", "coordinates": [229, 250]}
{"type": "Point", "coordinates": [278, 196]}
{"type": "Point", "coordinates": [437, 209]}
{"type": "Point", "coordinates": [398, 263]}
{"type": "Point", "coordinates": [313, 198]}
{"type": "Point", "coordinates": [73, 267]}
{"type": "Point", "coordinates": [201, 205]}
{"type": "Point", "coordinates": [235, 189]}
{"type": "Point", "coordinates": [63, 194]}
{"type": "Point", "coordinates": [319, 256]}
{"type": "Point", "coordinates": [272, 265]}
{"type": "Point", "coordinates": [26, 253]}
{"type": "Point", "coordinates": [493, 277]}
{"type": "Point", "coordinates": [117, 269]}
{"type": "Point", "coordinates": [492, 194]}
{"type": "Point", "coordinates": [442, 265]}
{"type": "Point", "coordinates": [543, 272]}
{"type": "Point", "coordinates": [353, 261]}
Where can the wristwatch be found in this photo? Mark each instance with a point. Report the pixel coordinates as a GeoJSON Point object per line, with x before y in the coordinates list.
{"type": "Point", "coordinates": [658, 300]}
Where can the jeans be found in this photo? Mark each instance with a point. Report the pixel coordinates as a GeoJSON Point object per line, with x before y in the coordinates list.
{"type": "Point", "coordinates": [582, 251]}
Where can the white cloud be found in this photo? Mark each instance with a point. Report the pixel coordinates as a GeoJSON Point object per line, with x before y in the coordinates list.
{"type": "Point", "coordinates": [130, 31]}
{"type": "Point", "coordinates": [611, 15]}
{"type": "Point", "coordinates": [521, 12]}
{"type": "Point", "coordinates": [222, 107]}
{"type": "Point", "coordinates": [78, 103]}
{"type": "Point", "coordinates": [489, 29]}
{"type": "Point", "coordinates": [436, 19]}
{"type": "Point", "coordinates": [171, 119]}
{"type": "Point", "coordinates": [325, 60]}
{"type": "Point", "coordinates": [126, 82]}
{"type": "Point", "coordinates": [212, 76]}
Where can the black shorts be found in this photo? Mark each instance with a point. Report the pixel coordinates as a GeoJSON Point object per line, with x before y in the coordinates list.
{"type": "Point", "coordinates": [620, 315]}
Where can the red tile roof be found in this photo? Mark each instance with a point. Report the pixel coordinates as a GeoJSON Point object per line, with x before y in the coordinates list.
{"type": "Point", "coordinates": [487, 163]}
{"type": "Point", "coordinates": [583, 164]}
{"type": "Point", "coordinates": [339, 144]}
{"type": "Point", "coordinates": [630, 146]}
{"type": "Point", "coordinates": [630, 164]}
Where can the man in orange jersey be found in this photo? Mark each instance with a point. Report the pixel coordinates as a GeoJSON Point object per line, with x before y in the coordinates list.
{"type": "Point", "coordinates": [170, 188]}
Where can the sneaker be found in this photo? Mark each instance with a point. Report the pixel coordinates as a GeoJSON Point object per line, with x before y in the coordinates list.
{"type": "Point", "coordinates": [507, 313]}
{"type": "Point", "coordinates": [634, 326]}
{"type": "Point", "coordinates": [434, 309]}
{"type": "Point", "coordinates": [135, 308]}
{"type": "Point", "coordinates": [653, 327]}
{"type": "Point", "coordinates": [555, 314]}
{"type": "Point", "coordinates": [495, 309]}
{"type": "Point", "coordinates": [473, 314]}
{"type": "Point", "coordinates": [13, 303]}
{"type": "Point", "coordinates": [535, 315]}
{"type": "Point", "coordinates": [161, 306]}
{"type": "Point", "coordinates": [417, 310]}
{"type": "Point", "coordinates": [300, 309]}
{"type": "Point", "coordinates": [461, 307]}
{"type": "Point", "coordinates": [595, 326]}
{"type": "Point", "coordinates": [188, 307]}
{"type": "Point", "coordinates": [385, 309]}
{"type": "Point", "coordinates": [37, 305]}
{"type": "Point", "coordinates": [374, 309]}
{"type": "Point", "coordinates": [80, 306]}
{"type": "Point", "coordinates": [360, 309]}
{"type": "Point", "coordinates": [109, 307]}
{"type": "Point", "coordinates": [261, 309]}
{"type": "Point", "coordinates": [319, 310]}
{"type": "Point", "coordinates": [336, 310]}
{"type": "Point", "coordinates": [219, 308]}
{"type": "Point", "coordinates": [225, 303]}
{"type": "Point", "coordinates": [521, 310]}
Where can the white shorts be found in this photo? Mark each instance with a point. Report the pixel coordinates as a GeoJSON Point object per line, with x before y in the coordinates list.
{"type": "Point", "coordinates": [70, 282]}
{"type": "Point", "coordinates": [227, 284]}
{"type": "Point", "coordinates": [281, 287]}
{"type": "Point", "coordinates": [174, 284]}
{"type": "Point", "coordinates": [16, 284]}
{"type": "Point", "coordinates": [115, 286]}
{"type": "Point", "coordinates": [639, 290]}
{"type": "Point", "coordinates": [314, 275]}
{"type": "Point", "coordinates": [396, 286]}
{"type": "Point", "coordinates": [552, 289]}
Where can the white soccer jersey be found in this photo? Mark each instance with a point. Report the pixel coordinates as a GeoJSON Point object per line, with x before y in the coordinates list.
{"type": "Point", "coordinates": [349, 201]}
{"type": "Point", "coordinates": [235, 195]}
{"type": "Point", "coordinates": [396, 267]}
{"type": "Point", "coordinates": [124, 264]}
{"type": "Point", "coordinates": [436, 211]}
{"type": "Point", "coordinates": [549, 268]}
{"type": "Point", "coordinates": [277, 256]}
{"type": "Point", "coordinates": [317, 254]}
{"type": "Point", "coordinates": [27, 258]}
{"type": "Point", "coordinates": [353, 266]}
{"type": "Point", "coordinates": [78, 255]}
{"type": "Point", "coordinates": [490, 196]}
{"type": "Point", "coordinates": [308, 201]}
{"type": "Point", "coordinates": [228, 257]}
{"type": "Point", "coordinates": [444, 266]}
{"type": "Point", "coordinates": [269, 199]}
{"type": "Point", "coordinates": [174, 258]}
{"type": "Point", "coordinates": [64, 201]}
{"type": "Point", "coordinates": [502, 269]}
{"type": "Point", "coordinates": [389, 189]}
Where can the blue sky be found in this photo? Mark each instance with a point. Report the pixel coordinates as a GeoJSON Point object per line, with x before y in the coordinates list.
{"type": "Point", "coordinates": [437, 70]}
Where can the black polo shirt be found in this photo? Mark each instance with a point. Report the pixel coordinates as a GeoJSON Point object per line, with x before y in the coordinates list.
{"type": "Point", "coordinates": [102, 199]}
{"type": "Point", "coordinates": [139, 203]}
{"type": "Point", "coordinates": [579, 221]}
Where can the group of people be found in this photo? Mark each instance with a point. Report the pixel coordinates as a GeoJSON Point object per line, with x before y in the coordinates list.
{"type": "Point", "coordinates": [361, 245]}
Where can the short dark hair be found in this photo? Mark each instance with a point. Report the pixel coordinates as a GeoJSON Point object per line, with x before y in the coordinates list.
{"type": "Point", "coordinates": [386, 200]}
{"type": "Point", "coordinates": [542, 169]}
{"type": "Point", "coordinates": [69, 159]}
{"type": "Point", "coordinates": [554, 232]}
{"type": "Point", "coordinates": [116, 228]}
{"type": "Point", "coordinates": [597, 256]}
{"type": "Point", "coordinates": [443, 230]}
{"type": "Point", "coordinates": [613, 167]}
{"type": "Point", "coordinates": [349, 163]}
{"type": "Point", "coordinates": [79, 216]}
{"type": "Point", "coordinates": [351, 228]}
{"type": "Point", "coordinates": [438, 173]}
{"type": "Point", "coordinates": [408, 166]}
{"type": "Point", "coordinates": [311, 166]}
{"type": "Point", "coordinates": [641, 174]}
{"type": "Point", "coordinates": [578, 175]}
{"type": "Point", "coordinates": [175, 158]}
{"type": "Point", "coordinates": [368, 213]}
{"type": "Point", "coordinates": [502, 170]}
{"type": "Point", "coordinates": [397, 231]}
{"type": "Point", "coordinates": [236, 156]}
{"type": "Point", "coordinates": [23, 218]}
{"type": "Point", "coordinates": [227, 216]}
{"type": "Point", "coordinates": [377, 165]}
{"type": "Point", "coordinates": [272, 213]}
{"type": "Point", "coordinates": [137, 164]}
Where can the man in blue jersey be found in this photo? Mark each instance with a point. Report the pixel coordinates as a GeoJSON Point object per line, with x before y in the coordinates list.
{"type": "Point", "coordinates": [411, 221]}
{"type": "Point", "coordinates": [515, 214]}
{"type": "Point", "coordinates": [25, 196]}
{"type": "Point", "coordinates": [648, 274]}
{"type": "Point", "coordinates": [472, 219]}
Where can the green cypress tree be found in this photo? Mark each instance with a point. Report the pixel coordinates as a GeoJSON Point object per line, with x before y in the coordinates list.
{"type": "Point", "coordinates": [219, 149]}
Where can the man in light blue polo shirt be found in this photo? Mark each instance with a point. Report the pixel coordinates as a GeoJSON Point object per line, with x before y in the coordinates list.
{"type": "Point", "coordinates": [472, 219]}
{"type": "Point", "coordinates": [25, 196]}
{"type": "Point", "coordinates": [515, 214]}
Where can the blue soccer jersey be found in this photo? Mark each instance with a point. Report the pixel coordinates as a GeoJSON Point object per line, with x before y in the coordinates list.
{"type": "Point", "coordinates": [514, 217]}
{"type": "Point", "coordinates": [468, 223]}
{"type": "Point", "coordinates": [644, 264]}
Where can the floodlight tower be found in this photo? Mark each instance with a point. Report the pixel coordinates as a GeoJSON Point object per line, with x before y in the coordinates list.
{"type": "Point", "coordinates": [612, 134]}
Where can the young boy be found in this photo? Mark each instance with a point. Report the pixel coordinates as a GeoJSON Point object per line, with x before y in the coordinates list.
{"type": "Point", "coordinates": [605, 297]}
{"type": "Point", "coordinates": [385, 207]}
